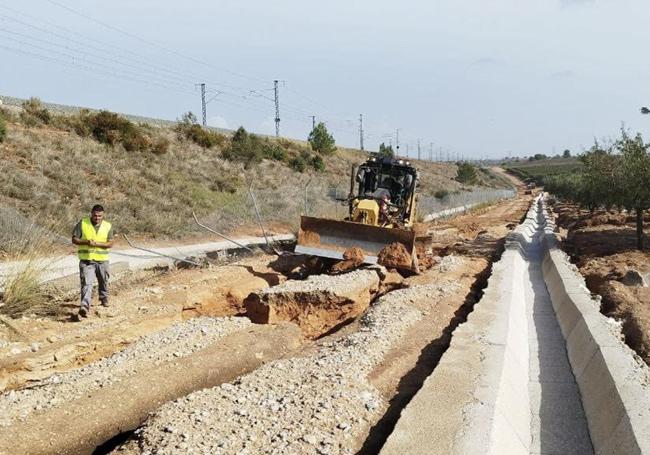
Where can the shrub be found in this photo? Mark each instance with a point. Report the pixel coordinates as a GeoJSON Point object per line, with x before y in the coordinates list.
{"type": "Point", "coordinates": [113, 129]}
{"type": "Point", "coordinates": [160, 146]}
{"type": "Point", "coordinates": [466, 173]}
{"type": "Point", "coordinates": [321, 140]}
{"type": "Point", "coordinates": [298, 164]}
{"type": "Point", "coordinates": [274, 152]}
{"type": "Point", "coordinates": [317, 163]}
{"type": "Point", "coordinates": [441, 194]}
{"type": "Point", "coordinates": [3, 128]}
{"type": "Point", "coordinates": [244, 147]}
{"type": "Point", "coordinates": [190, 129]}
{"type": "Point", "coordinates": [34, 113]}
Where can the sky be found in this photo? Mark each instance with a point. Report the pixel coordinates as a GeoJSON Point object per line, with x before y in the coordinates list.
{"type": "Point", "coordinates": [465, 78]}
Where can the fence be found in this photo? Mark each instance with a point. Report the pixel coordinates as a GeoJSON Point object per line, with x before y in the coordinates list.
{"type": "Point", "coordinates": [429, 204]}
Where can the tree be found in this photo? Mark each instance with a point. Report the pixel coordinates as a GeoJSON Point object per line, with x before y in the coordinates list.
{"type": "Point", "coordinates": [616, 175]}
{"type": "Point", "coordinates": [566, 153]}
{"type": "Point", "coordinates": [385, 150]}
{"type": "Point", "coordinates": [466, 173]}
{"type": "Point", "coordinates": [634, 178]}
{"type": "Point", "coordinates": [321, 140]}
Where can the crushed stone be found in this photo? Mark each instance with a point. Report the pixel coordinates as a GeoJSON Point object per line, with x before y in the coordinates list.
{"type": "Point", "coordinates": [319, 403]}
{"type": "Point", "coordinates": [178, 340]}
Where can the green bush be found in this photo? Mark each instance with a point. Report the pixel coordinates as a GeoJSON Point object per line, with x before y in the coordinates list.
{"type": "Point", "coordinates": [274, 152]}
{"type": "Point", "coordinates": [3, 128]}
{"type": "Point", "coordinates": [34, 113]}
{"type": "Point", "coordinates": [298, 163]}
{"type": "Point", "coordinates": [317, 163]}
{"type": "Point", "coordinates": [190, 129]}
{"type": "Point", "coordinates": [321, 140]}
{"type": "Point", "coordinates": [244, 147]}
{"type": "Point", "coordinates": [466, 173]}
{"type": "Point", "coordinates": [112, 129]}
{"type": "Point", "coordinates": [441, 194]}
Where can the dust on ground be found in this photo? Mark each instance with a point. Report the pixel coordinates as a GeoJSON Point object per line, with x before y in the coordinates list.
{"type": "Point", "coordinates": [603, 247]}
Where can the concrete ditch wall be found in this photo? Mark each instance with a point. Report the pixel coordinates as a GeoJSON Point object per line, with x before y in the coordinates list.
{"type": "Point", "coordinates": [614, 384]}
{"type": "Point", "coordinates": [476, 400]}
{"type": "Point", "coordinates": [484, 395]}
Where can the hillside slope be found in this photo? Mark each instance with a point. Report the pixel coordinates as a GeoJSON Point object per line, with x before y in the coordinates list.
{"type": "Point", "coordinates": [51, 173]}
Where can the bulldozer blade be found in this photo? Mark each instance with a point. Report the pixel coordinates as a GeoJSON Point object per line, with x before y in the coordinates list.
{"type": "Point", "coordinates": [331, 238]}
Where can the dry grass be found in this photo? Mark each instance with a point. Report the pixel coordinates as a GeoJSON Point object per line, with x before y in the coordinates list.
{"type": "Point", "coordinates": [24, 293]}
{"type": "Point", "coordinates": [56, 175]}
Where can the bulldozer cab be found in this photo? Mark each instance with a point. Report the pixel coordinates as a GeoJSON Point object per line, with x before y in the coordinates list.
{"type": "Point", "coordinates": [381, 215]}
{"type": "Point", "coordinates": [388, 179]}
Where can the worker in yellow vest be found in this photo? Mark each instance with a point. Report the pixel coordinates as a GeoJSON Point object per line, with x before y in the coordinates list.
{"type": "Point", "coordinates": [94, 237]}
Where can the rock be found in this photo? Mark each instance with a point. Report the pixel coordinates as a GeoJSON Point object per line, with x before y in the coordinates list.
{"type": "Point", "coordinates": [317, 304]}
{"type": "Point", "coordinates": [34, 347]}
{"type": "Point", "coordinates": [310, 439]}
{"type": "Point", "coordinates": [634, 278]}
{"type": "Point", "coordinates": [395, 256]}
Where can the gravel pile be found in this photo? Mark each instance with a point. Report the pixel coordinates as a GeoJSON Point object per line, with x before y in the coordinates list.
{"type": "Point", "coordinates": [448, 263]}
{"type": "Point", "coordinates": [178, 340]}
{"type": "Point", "coordinates": [321, 403]}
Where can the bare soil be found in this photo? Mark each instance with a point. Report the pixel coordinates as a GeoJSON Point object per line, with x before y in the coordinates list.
{"type": "Point", "coordinates": [34, 348]}
{"type": "Point", "coordinates": [602, 245]}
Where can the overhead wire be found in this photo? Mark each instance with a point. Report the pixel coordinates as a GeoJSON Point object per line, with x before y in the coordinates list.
{"type": "Point", "coordinates": [144, 71]}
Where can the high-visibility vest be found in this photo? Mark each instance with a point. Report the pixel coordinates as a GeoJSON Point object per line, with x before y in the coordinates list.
{"type": "Point", "coordinates": [94, 253]}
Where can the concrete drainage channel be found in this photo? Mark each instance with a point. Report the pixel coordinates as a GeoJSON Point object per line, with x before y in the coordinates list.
{"type": "Point", "coordinates": [535, 369]}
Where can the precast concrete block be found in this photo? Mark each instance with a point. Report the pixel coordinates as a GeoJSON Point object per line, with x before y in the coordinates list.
{"type": "Point", "coordinates": [600, 400]}
{"type": "Point", "coordinates": [504, 439]}
{"type": "Point", "coordinates": [623, 441]}
{"type": "Point", "coordinates": [569, 309]}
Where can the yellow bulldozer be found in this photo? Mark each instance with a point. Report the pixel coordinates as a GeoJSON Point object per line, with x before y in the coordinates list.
{"type": "Point", "coordinates": [382, 212]}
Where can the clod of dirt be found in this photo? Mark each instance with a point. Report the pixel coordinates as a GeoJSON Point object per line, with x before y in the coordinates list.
{"type": "Point", "coordinates": [634, 278]}
{"type": "Point", "coordinates": [395, 256]}
{"type": "Point", "coordinates": [353, 258]}
{"type": "Point", "coordinates": [317, 304]}
{"type": "Point", "coordinates": [308, 238]}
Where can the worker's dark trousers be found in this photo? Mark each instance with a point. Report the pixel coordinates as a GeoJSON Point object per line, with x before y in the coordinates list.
{"type": "Point", "coordinates": [87, 271]}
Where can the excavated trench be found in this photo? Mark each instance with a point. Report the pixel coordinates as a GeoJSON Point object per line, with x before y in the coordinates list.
{"type": "Point", "coordinates": [430, 354]}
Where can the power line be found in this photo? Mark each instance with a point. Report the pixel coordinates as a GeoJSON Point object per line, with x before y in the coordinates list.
{"type": "Point", "coordinates": [150, 43]}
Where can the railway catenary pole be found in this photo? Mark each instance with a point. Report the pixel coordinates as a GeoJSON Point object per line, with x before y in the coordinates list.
{"type": "Point", "coordinates": [277, 109]}
{"type": "Point", "coordinates": [397, 141]}
{"type": "Point", "coordinates": [419, 149]}
{"type": "Point", "coordinates": [203, 103]}
{"type": "Point", "coordinates": [361, 131]}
